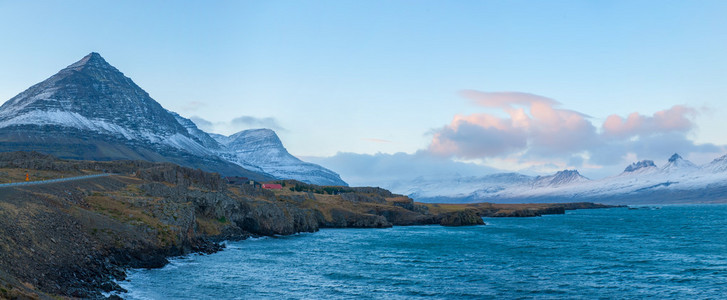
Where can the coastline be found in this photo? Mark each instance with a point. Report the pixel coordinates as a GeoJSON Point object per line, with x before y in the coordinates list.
{"type": "Point", "coordinates": [76, 238]}
{"type": "Point", "coordinates": [577, 255]}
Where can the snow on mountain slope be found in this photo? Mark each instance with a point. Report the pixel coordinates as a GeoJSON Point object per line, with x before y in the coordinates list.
{"type": "Point", "coordinates": [457, 186]}
{"type": "Point", "coordinates": [495, 185]}
{"type": "Point", "coordinates": [640, 167]}
{"type": "Point", "coordinates": [678, 164]}
{"type": "Point", "coordinates": [561, 178]}
{"type": "Point", "coordinates": [202, 137]}
{"type": "Point", "coordinates": [718, 165]}
{"type": "Point", "coordinates": [90, 110]}
{"type": "Point", "coordinates": [93, 95]}
{"type": "Point", "coordinates": [262, 149]}
{"type": "Point", "coordinates": [640, 178]}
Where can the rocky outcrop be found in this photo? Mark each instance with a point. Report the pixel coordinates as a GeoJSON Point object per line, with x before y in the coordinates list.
{"type": "Point", "coordinates": [342, 218]}
{"type": "Point", "coordinates": [462, 218]}
{"type": "Point", "coordinates": [246, 216]}
{"type": "Point", "coordinates": [521, 213]}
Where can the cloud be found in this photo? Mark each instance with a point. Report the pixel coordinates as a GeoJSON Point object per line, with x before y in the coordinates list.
{"type": "Point", "coordinates": [466, 139]}
{"type": "Point", "coordinates": [527, 128]}
{"type": "Point", "coordinates": [254, 122]}
{"type": "Point", "coordinates": [505, 99]}
{"type": "Point", "coordinates": [203, 124]}
{"type": "Point", "coordinates": [237, 124]}
{"type": "Point", "coordinates": [652, 146]}
{"type": "Point", "coordinates": [534, 123]}
{"type": "Point", "coordinates": [678, 118]}
{"type": "Point", "coordinates": [530, 134]}
{"type": "Point", "coordinates": [386, 169]}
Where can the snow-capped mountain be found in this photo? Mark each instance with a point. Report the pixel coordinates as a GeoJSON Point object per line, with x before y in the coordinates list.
{"type": "Point", "coordinates": [90, 110]}
{"type": "Point", "coordinates": [640, 167]}
{"type": "Point", "coordinates": [202, 137]}
{"type": "Point", "coordinates": [261, 149]}
{"type": "Point", "coordinates": [458, 187]}
{"type": "Point", "coordinates": [495, 186]}
{"type": "Point", "coordinates": [678, 181]}
{"type": "Point", "coordinates": [718, 165]}
{"type": "Point", "coordinates": [92, 95]}
{"type": "Point", "coordinates": [678, 164]}
{"type": "Point", "coordinates": [561, 178]}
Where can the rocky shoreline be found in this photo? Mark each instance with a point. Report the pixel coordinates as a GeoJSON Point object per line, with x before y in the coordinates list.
{"type": "Point", "coordinates": [76, 238]}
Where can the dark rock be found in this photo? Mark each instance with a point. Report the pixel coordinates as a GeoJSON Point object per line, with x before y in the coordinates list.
{"type": "Point", "coordinates": [344, 218]}
{"type": "Point", "coordinates": [462, 218]}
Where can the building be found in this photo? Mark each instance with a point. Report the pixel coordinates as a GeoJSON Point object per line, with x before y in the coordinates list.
{"type": "Point", "coordinates": [272, 186]}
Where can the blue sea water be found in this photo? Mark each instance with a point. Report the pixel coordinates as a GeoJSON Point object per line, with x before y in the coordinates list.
{"type": "Point", "coordinates": [672, 252]}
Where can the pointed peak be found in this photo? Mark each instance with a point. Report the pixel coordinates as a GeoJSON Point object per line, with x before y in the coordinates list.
{"type": "Point", "coordinates": [560, 178]}
{"type": "Point", "coordinates": [676, 162]}
{"type": "Point", "coordinates": [92, 59]}
{"type": "Point", "coordinates": [94, 55]}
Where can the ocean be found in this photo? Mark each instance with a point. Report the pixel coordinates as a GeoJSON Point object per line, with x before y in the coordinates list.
{"type": "Point", "coordinates": [677, 251]}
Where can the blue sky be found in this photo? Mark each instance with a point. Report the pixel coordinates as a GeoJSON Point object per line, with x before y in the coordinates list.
{"type": "Point", "coordinates": [367, 77]}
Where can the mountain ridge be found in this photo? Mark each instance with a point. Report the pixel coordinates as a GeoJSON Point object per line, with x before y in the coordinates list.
{"type": "Point", "coordinates": [678, 181]}
{"type": "Point", "coordinates": [263, 148]}
{"type": "Point", "coordinates": [90, 110]}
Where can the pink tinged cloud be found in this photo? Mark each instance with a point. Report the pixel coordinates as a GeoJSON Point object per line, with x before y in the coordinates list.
{"type": "Point", "coordinates": [678, 118]}
{"type": "Point", "coordinates": [473, 140]}
{"type": "Point", "coordinates": [534, 127]}
{"type": "Point", "coordinates": [505, 99]}
{"type": "Point", "coordinates": [533, 122]}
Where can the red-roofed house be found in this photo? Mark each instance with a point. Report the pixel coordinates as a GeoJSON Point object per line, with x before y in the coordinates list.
{"type": "Point", "coordinates": [272, 186]}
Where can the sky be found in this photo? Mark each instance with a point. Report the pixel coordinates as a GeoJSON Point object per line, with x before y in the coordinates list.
{"type": "Point", "coordinates": [396, 89]}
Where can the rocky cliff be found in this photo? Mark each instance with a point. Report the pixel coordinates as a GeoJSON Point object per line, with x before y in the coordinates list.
{"type": "Point", "coordinates": [74, 238]}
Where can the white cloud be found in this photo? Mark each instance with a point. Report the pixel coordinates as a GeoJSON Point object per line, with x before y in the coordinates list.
{"type": "Point", "coordinates": [380, 168]}
{"type": "Point", "coordinates": [535, 128]}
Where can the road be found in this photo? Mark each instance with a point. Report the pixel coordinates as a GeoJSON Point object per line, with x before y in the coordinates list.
{"type": "Point", "coordinates": [24, 183]}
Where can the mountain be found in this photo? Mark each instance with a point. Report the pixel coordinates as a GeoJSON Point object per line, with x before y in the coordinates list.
{"type": "Point", "coordinates": [678, 164]}
{"type": "Point", "coordinates": [92, 95]}
{"type": "Point", "coordinates": [678, 181]}
{"type": "Point", "coordinates": [718, 164]}
{"type": "Point", "coordinates": [560, 178]}
{"type": "Point", "coordinates": [90, 110]}
{"type": "Point", "coordinates": [442, 189]}
{"type": "Point", "coordinates": [489, 187]}
{"type": "Point", "coordinates": [640, 167]}
{"type": "Point", "coordinates": [261, 149]}
{"type": "Point", "coordinates": [202, 137]}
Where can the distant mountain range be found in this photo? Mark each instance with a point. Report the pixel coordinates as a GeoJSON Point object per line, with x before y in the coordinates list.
{"type": "Point", "coordinates": [90, 110]}
{"type": "Point", "coordinates": [678, 181]}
